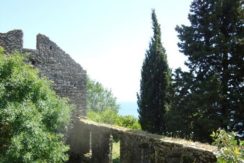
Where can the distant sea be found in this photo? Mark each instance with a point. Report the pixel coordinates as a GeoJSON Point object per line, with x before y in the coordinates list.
{"type": "Point", "coordinates": [128, 108]}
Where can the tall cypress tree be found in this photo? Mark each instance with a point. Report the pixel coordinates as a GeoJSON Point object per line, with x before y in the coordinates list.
{"type": "Point", "coordinates": [153, 98]}
{"type": "Point", "coordinates": [214, 46]}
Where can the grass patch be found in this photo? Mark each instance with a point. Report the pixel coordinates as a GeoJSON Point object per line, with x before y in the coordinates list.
{"type": "Point", "coordinates": [116, 152]}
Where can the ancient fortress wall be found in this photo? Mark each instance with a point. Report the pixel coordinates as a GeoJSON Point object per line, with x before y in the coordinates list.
{"type": "Point", "coordinates": [13, 40]}
{"type": "Point", "coordinates": [69, 78]}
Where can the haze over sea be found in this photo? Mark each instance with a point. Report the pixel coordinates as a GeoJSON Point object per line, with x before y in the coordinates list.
{"type": "Point", "coordinates": [128, 108]}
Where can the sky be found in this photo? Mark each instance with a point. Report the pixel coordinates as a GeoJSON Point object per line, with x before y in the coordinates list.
{"type": "Point", "coordinates": [108, 38]}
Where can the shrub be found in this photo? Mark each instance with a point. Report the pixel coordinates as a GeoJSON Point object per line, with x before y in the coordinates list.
{"type": "Point", "coordinates": [32, 116]}
{"type": "Point", "coordinates": [109, 116]}
{"type": "Point", "coordinates": [128, 121]}
{"type": "Point", "coordinates": [229, 150]}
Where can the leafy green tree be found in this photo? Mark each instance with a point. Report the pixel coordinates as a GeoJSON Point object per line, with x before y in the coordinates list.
{"type": "Point", "coordinates": [32, 116]}
{"type": "Point", "coordinates": [213, 44]}
{"type": "Point", "coordinates": [179, 116]}
{"type": "Point", "coordinates": [230, 151]}
{"type": "Point", "coordinates": [186, 118]}
{"type": "Point", "coordinates": [153, 99]}
{"type": "Point", "coordinates": [100, 98]}
{"type": "Point", "coordinates": [102, 107]}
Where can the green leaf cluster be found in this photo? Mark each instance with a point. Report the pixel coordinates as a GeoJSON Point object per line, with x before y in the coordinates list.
{"type": "Point", "coordinates": [102, 107]}
{"type": "Point", "coordinates": [128, 121]}
{"type": "Point", "coordinates": [229, 150]}
{"type": "Point", "coordinates": [100, 98]}
{"type": "Point", "coordinates": [210, 95]}
{"type": "Point", "coordinates": [32, 116]}
{"type": "Point", "coordinates": [109, 116]}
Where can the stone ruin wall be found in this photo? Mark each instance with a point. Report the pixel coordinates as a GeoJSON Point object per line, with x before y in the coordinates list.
{"type": "Point", "coordinates": [69, 78]}
{"type": "Point", "coordinates": [12, 40]}
{"type": "Point", "coordinates": [141, 147]}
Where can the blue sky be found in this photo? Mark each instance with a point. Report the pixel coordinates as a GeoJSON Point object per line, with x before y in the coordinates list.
{"type": "Point", "coordinates": [107, 37]}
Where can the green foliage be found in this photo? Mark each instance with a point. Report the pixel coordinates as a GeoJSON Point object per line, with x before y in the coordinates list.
{"type": "Point", "coordinates": [102, 107]}
{"type": "Point", "coordinates": [109, 116]}
{"type": "Point", "coordinates": [229, 150]}
{"type": "Point", "coordinates": [100, 98]}
{"type": "Point", "coordinates": [153, 99]}
{"type": "Point", "coordinates": [191, 117]}
{"type": "Point", "coordinates": [116, 152]}
{"type": "Point", "coordinates": [32, 116]}
{"type": "Point", "coordinates": [128, 121]}
{"type": "Point", "coordinates": [213, 87]}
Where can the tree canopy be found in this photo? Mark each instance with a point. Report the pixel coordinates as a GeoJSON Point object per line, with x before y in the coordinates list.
{"type": "Point", "coordinates": [210, 95]}
{"type": "Point", "coordinates": [99, 98]}
{"type": "Point", "coordinates": [153, 98]}
{"type": "Point", "coordinates": [103, 107]}
{"type": "Point", "coordinates": [32, 116]}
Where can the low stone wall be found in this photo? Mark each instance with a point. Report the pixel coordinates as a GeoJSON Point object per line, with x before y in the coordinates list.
{"type": "Point", "coordinates": [142, 147]}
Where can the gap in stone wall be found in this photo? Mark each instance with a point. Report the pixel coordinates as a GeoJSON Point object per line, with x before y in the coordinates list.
{"type": "Point", "coordinates": [116, 151]}
{"type": "Point", "coordinates": [29, 40]}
